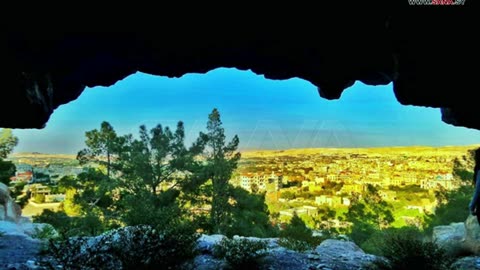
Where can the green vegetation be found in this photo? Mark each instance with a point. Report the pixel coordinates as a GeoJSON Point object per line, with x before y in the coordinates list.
{"type": "Point", "coordinates": [39, 198]}
{"type": "Point", "coordinates": [406, 249]}
{"type": "Point", "coordinates": [452, 207]}
{"type": "Point", "coordinates": [169, 192]}
{"type": "Point", "coordinates": [66, 226]}
{"type": "Point", "coordinates": [7, 170]}
{"type": "Point", "coordinates": [7, 143]}
{"type": "Point", "coordinates": [139, 247]}
{"type": "Point", "coordinates": [155, 181]}
{"type": "Point", "coordinates": [297, 236]}
{"type": "Point", "coordinates": [241, 253]}
{"type": "Point", "coordinates": [221, 160]}
{"type": "Point", "coordinates": [368, 214]}
{"type": "Point", "coordinates": [249, 215]}
{"type": "Point", "coordinates": [45, 232]}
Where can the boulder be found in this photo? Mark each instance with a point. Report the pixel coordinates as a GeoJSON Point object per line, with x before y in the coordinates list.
{"type": "Point", "coordinates": [450, 237]}
{"type": "Point", "coordinates": [472, 235]}
{"type": "Point", "coordinates": [345, 255]}
{"type": "Point", "coordinates": [11, 228]}
{"type": "Point", "coordinates": [467, 263]}
{"type": "Point", "coordinates": [472, 228]}
{"type": "Point", "coordinates": [205, 242]}
{"type": "Point", "coordinates": [208, 262]}
{"type": "Point", "coordinates": [9, 210]}
{"type": "Point", "coordinates": [28, 229]}
{"type": "Point", "coordinates": [272, 243]}
{"type": "Point", "coordinates": [41, 230]}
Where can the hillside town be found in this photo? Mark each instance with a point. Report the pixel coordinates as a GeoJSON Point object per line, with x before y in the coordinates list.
{"type": "Point", "coordinates": [304, 180]}
{"type": "Point", "coordinates": [298, 180]}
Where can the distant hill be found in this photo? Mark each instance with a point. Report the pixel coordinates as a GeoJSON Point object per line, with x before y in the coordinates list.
{"type": "Point", "coordinates": [296, 151]}
{"type": "Point", "coordinates": [41, 155]}
{"type": "Point", "coordinates": [41, 160]}
{"type": "Point", "coordinates": [380, 150]}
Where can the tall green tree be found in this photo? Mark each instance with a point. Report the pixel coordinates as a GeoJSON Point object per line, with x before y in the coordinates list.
{"type": "Point", "coordinates": [452, 205]}
{"type": "Point", "coordinates": [250, 215]}
{"type": "Point", "coordinates": [157, 157]}
{"type": "Point", "coordinates": [7, 170]}
{"type": "Point", "coordinates": [96, 190]}
{"type": "Point", "coordinates": [7, 142]}
{"type": "Point", "coordinates": [103, 147]}
{"type": "Point", "coordinates": [368, 213]}
{"type": "Point", "coordinates": [155, 169]}
{"type": "Point", "coordinates": [325, 221]}
{"type": "Point", "coordinates": [222, 159]}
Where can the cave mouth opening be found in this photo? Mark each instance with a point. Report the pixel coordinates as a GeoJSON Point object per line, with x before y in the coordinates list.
{"type": "Point", "coordinates": [264, 113]}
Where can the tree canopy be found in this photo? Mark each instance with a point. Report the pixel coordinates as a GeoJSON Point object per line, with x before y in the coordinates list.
{"type": "Point", "coordinates": [7, 143]}
{"type": "Point", "coordinates": [155, 179]}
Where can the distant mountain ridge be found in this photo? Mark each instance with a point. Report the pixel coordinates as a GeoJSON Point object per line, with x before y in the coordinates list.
{"type": "Point", "coordinates": [250, 152]}
{"type": "Point", "coordinates": [383, 150]}
{"type": "Point", "coordinates": [41, 155]}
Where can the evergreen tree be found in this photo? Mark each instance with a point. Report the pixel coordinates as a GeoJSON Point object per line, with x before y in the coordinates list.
{"type": "Point", "coordinates": [368, 214]}
{"type": "Point", "coordinates": [452, 205]}
{"type": "Point", "coordinates": [7, 170]}
{"type": "Point", "coordinates": [250, 215]}
{"type": "Point", "coordinates": [222, 159]}
{"type": "Point", "coordinates": [7, 142]}
{"type": "Point", "coordinates": [103, 147]}
{"type": "Point", "coordinates": [157, 158]}
{"type": "Point", "coordinates": [155, 169]}
{"type": "Point", "coordinates": [296, 229]}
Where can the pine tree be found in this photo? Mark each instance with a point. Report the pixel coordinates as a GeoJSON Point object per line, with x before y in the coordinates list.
{"type": "Point", "coordinates": [7, 143]}
{"type": "Point", "coordinates": [222, 159]}
{"type": "Point", "coordinates": [102, 147]}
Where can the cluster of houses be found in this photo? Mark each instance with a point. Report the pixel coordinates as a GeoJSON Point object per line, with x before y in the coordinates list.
{"type": "Point", "coordinates": [37, 179]}
{"type": "Point", "coordinates": [310, 173]}
{"type": "Point", "coordinates": [261, 182]}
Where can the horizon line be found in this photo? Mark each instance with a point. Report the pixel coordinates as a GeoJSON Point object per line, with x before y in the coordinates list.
{"type": "Point", "coordinates": [286, 149]}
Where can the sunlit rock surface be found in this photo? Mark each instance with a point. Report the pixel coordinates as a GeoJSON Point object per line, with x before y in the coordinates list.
{"type": "Point", "coordinates": [450, 237]}
{"type": "Point", "coordinates": [9, 210]}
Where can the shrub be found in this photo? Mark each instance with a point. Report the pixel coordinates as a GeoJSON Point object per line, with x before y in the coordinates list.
{"type": "Point", "coordinates": [73, 252]}
{"type": "Point", "coordinates": [22, 201]}
{"type": "Point", "coordinates": [405, 249]}
{"type": "Point", "coordinates": [452, 209]}
{"type": "Point", "coordinates": [360, 232]}
{"type": "Point", "coordinates": [250, 216]}
{"type": "Point", "coordinates": [147, 209]}
{"type": "Point", "coordinates": [294, 244]}
{"type": "Point", "coordinates": [59, 220]}
{"type": "Point", "coordinates": [138, 247]}
{"type": "Point", "coordinates": [88, 225]}
{"type": "Point", "coordinates": [241, 253]}
{"type": "Point", "coordinates": [45, 232]}
{"type": "Point", "coordinates": [39, 198]}
{"type": "Point", "coordinates": [297, 236]}
{"type": "Point", "coordinates": [375, 243]}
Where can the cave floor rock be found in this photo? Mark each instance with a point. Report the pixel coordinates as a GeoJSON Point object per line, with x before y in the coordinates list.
{"type": "Point", "coordinates": [17, 252]}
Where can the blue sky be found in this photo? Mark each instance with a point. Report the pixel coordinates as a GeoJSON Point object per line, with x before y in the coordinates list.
{"type": "Point", "coordinates": [266, 114]}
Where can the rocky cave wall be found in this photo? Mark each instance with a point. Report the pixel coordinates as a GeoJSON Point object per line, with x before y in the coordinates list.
{"type": "Point", "coordinates": [428, 52]}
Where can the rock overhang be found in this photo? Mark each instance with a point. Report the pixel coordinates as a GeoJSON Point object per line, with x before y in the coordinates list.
{"type": "Point", "coordinates": [427, 52]}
